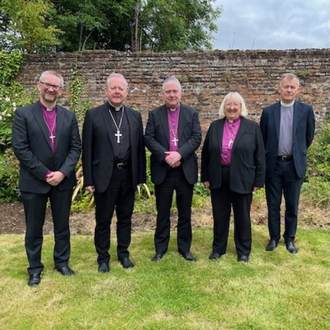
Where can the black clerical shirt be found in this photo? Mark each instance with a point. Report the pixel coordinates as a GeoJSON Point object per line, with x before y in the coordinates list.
{"type": "Point", "coordinates": [121, 150]}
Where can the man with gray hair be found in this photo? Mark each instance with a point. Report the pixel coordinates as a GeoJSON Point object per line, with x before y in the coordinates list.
{"type": "Point", "coordinates": [113, 165]}
{"type": "Point", "coordinates": [288, 129]}
{"type": "Point", "coordinates": [173, 134]}
{"type": "Point", "coordinates": [47, 144]}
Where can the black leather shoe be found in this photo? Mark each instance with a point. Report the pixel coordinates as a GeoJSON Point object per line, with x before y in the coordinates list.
{"type": "Point", "coordinates": [65, 270]}
{"type": "Point", "coordinates": [188, 256]}
{"type": "Point", "coordinates": [34, 279]}
{"type": "Point", "coordinates": [291, 248]}
{"type": "Point", "coordinates": [126, 263]}
{"type": "Point", "coordinates": [157, 256]}
{"type": "Point", "coordinates": [271, 245]}
{"type": "Point", "coordinates": [104, 267]}
{"type": "Point", "coordinates": [243, 258]}
{"type": "Point", "coordinates": [214, 256]}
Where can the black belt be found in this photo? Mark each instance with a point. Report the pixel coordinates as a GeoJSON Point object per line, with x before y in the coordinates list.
{"type": "Point", "coordinates": [120, 166]}
{"type": "Point", "coordinates": [284, 158]}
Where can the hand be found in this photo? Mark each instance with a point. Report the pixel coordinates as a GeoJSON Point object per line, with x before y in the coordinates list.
{"type": "Point", "coordinates": [206, 184]}
{"type": "Point", "coordinates": [256, 188]}
{"type": "Point", "coordinates": [54, 178]}
{"type": "Point", "coordinates": [90, 189]}
{"type": "Point", "coordinates": [173, 158]}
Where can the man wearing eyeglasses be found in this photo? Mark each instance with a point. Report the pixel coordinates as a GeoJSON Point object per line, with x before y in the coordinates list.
{"type": "Point", "coordinates": [46, 141]}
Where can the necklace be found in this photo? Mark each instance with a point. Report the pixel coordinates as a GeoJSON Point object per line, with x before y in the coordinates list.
{"type": "Point", "coordinates": [232, 136]}
{"type": "Point", "coordinates": [118, 134]}
{"type": "Point", "coordinates": [51, 130]}
{"type": "Point", "coordinates": [174, 131]}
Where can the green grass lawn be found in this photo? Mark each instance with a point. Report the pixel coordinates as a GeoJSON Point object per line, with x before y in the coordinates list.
{"type": "Point", "coordinates": [275, 290]}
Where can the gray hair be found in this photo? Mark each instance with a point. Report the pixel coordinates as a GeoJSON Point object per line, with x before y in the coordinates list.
{"type": "Point", "coordinates": [114, 74]}
{"type": "Point", "coordinates": [171, 79]}
{"type": "Point", "coordinates": [54, 73]}
{"type": "Point", "coordinates": [237, 97]}
{"type": "Point", "coordinates": [289, 76]}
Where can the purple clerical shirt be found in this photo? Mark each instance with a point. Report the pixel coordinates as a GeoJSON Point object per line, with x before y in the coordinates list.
{"type": "Point", "coordinates": [173, 125]}
{"type": "Point", "coordinates": [230, 130]}
{"type": "Point", "coordinates": [50, 120]}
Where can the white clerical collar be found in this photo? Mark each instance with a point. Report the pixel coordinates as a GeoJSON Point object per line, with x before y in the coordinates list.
{"type": "Point", "coordinates": [287, 105]}
{"type": "Point", "coordinates": [117, 108]}
{"type": "Point", "coordinates": [174, 109]}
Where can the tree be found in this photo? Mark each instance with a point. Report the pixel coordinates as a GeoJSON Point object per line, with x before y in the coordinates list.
{"type": "Point", "coordinates": [177, 25]}
{"type": "Point", "coordinates": [136, 25]}
{"type": "Point", "coordinates": [94, 24]}
{"type": "Point", "coordinates": [28, 20]}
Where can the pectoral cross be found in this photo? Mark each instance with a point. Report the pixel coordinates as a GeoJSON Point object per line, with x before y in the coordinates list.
{"type": "Point", "coordinates": [175, 140]}
{"type": "Point", "coordinates": [52, 137]}
{"type": "Point", "coordinates": [230, 142]}
{"type": "Point", "coordinates": [118, 135]}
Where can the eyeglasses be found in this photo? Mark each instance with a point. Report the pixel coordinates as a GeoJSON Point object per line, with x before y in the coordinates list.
{"type": "Point", "coordinates": [46, 85]}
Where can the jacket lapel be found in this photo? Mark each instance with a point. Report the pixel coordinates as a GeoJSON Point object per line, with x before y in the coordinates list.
{"type": "Point", "coordinates": [277, 117]}
{"type": "Point", "coordinates": [107, 120]}
{"type": "Point", "coordinates": [240, 133]}
{"type": "Point", "coordinates": [296, 112]}
{"type": "Point", "coordinates": [164, 122]}
{"type": "Point", "coordinates": [37, 112]}
{"type": "Point", "coordinates": [219, 133]}
{"type": "Point", "coordinates": [59, 124]}
{"type": "Point", "coordinates": [131, 126]}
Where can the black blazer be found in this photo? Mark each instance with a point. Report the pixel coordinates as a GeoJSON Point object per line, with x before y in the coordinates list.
{"type": "Point", "coordinates": [303, 134]}
{"type": "Point", "coordinates": [157, 140]}
{"type": "Point", "coordinates": [247, 168]}
{"type": "Point", "coordinates": [97, 155]}
{"type": "Point", "coordinates": [32, 147]}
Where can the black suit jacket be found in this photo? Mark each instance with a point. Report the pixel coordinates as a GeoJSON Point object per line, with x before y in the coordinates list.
{"type": "Point", "coordinates": [303, 134]}
{"type": "Point", "coordinates": [98, 156]}
{"type": "Point", "coordinates": [32, 147]}
{"type": "Point", "coordinates": [247, 168]}
{"type": "Point", "coordinates": [157, 140]}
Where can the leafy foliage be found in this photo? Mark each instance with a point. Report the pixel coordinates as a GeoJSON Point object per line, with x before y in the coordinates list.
{"type": "Point", "coordinates": [9, 169]}
{"type": "Point", "coordinates": [177, 25]}
{"type": "Point", "coordinates": [94, 24]}
{"type": "Point", "coordinates": [29, 24]}
{"type": "Point", "coordinates": [319, 152]}
{"type": "Point", "coordinates": [318, 172]}
{"type": "Point", "coordinates": [77, 103]}
{"type": "Point", "coordinates": [12, 94]}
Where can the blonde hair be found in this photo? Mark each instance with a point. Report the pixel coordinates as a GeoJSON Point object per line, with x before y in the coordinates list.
{"type": "Point", "coordinates": [237, 97]}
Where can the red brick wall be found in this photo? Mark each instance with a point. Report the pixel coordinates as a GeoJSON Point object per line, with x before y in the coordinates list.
{"type": "Point", "coordinates": [206, 76]}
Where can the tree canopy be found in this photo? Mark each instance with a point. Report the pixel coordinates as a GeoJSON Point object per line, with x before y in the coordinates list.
{"type": "Point", "coordinates": [135, 25]}
{"type": "Point", "coordinates": [27, 26]}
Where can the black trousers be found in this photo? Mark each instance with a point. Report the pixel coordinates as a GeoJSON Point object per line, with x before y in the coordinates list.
{"type": "Point", "coordinates": [284, 180]}
{"type": "Point", "coordinates": [35, 210]}
{"type": "Point", "coordinates": [119, 195]}
{"type": "Point", "coordinates": [174, 181]}
{"type": "Point", "coordinates": [222, 200]}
